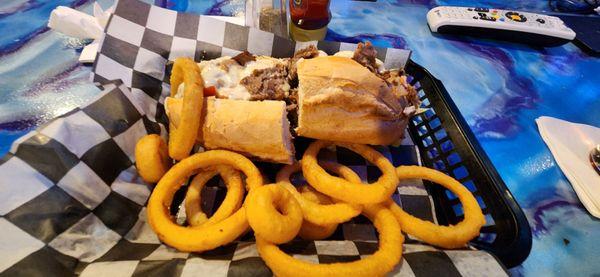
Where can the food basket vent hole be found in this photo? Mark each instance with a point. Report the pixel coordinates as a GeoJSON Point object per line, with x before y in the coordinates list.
{"type": "Point", "coordinates": [480, 202]}
{"type": "Point", "coordinates": [487, 237]}
{"type": "Point", "coordinates": [417, 120]}
{"type": "Point", "coordinates": [440, 134]}
{"type": "Point", "coordinates": [447, 146]}
{"type": "Point", "coordinates": [460, 173]}
{"type": "Point", "coordinates": [470, 185]}
{"type": "Point", "coordinates": [435, 123]}
{"type": "Point", "coordinates": [439, 165]}
{"type": "Point", "coordinates": [453, 158]}
{"type": "Point", "coordinates": [458, 210]}
{"type": "Point", "coordinates": [433, 153]}
{"type": "Point", "coordinates": [423, 130]}
{"type": "Point", "coordinates": [450, 195]}
{"type": "Point", "coordinates": [429, 113]}
{"type": "Point", "coordinates": [427, 141]}
{"type": "Point", "coordinates": [489, 220]}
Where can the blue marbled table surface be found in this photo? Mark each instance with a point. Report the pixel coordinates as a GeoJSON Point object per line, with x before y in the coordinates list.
{"type": "Point", "coordinates": [500, 88]}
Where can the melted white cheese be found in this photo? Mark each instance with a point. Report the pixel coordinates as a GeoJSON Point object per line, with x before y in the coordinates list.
{"type": "Point", "coordinates": [178, 94]}
{"type": "Point", "coordinates": [226, 82]}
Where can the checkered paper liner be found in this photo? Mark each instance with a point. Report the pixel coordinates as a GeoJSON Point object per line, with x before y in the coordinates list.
{"type": "Point", "coordinates": [72, 203]}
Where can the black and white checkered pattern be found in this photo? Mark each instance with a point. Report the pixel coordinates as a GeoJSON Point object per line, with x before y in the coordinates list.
{"type": "Point", "coordinates": [72, 203]}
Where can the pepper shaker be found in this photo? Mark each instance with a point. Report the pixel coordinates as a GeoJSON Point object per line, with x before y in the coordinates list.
{"type": "Point", "coordinates": [267, 15]}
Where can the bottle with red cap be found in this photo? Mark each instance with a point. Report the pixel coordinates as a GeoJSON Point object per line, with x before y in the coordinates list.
{"type": "Point", "coordinates": [309, 19]}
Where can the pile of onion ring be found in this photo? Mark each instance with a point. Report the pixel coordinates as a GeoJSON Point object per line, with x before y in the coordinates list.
{"type": "Point", "coordinates": [282, 211]}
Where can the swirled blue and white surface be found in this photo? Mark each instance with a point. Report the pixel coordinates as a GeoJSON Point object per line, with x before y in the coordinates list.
{"type": "Point", "coordinates": [499, 87]}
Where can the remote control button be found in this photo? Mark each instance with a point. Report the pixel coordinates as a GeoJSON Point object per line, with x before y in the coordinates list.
{"type": "Point", "coordinates": [484, 16]}
{"type": "Point", "coordinates": [475, 17]}
{"type": "Point", "coordinates": [469, 9]}
{"type": "Point", "coordinates": [515, 16]}
{"type": "Point", "coordinates": [541, 21]}
{"type": "Point", "coordinates": [502, 19]}
{"type": "Point", "coordinates": [482, 9]}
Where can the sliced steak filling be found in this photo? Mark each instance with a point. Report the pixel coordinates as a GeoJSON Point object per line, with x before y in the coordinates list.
{"type": "Point", "coordinates": [366, 54]}
{"type": "Point", "coordinates": [267, 84]}
{"type": "Point", "coordinates": [306, 53]}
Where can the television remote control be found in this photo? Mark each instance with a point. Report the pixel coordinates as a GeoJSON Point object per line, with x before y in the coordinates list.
{"type": "Point", "coordinates": [525, 27]}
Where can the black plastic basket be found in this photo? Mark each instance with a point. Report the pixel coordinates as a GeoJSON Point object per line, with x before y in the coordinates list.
{"type": "Point", "coordinates": [446, 143]}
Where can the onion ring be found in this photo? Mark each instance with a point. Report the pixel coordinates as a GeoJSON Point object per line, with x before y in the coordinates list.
{"type": "Point", "coordinates": [380, 263]}
{"type": "Point", "coordinates": [443, 236]}
{"type": "Point", "coordinates": [308, 230]}
{"type": "Point", "coordinates": [173, 108]}
{"type": "Point", "coordinates": [152, 158]}
{"type": "Point", "coordinates": [273, 213]}
{"type": "Point", "coordinates": [317, 213]}
{"type": "Point", "coordinates": [310, 194]}
{"type": "Point", "coordinates": [351, 192]}
{"type": "Point", "coordinates": [200, 238]}
{"type": "Point", "coordinates": [183, 134]}
{"type": "Point", "coordinates": [231, 203]}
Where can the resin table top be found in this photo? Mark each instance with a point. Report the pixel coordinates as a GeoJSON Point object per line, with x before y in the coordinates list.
{"type": "Point", "coordinates": [499, 87]}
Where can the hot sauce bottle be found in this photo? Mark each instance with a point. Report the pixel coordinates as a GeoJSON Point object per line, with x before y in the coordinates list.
{"type": "Point", "coordinates": [309, 19]}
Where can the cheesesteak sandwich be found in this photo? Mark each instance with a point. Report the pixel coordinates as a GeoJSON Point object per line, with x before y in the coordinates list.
{"type": "Point", "coordinates": [260, 102]}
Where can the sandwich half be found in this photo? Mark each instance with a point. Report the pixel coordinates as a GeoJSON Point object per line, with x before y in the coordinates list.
{"type": "Point", "coordinates": [257, 129]}
{"type": "Point", "coordinates": [340, 99]}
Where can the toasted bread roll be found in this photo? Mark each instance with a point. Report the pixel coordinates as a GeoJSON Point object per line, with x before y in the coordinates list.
{"type": "Point", "coordinates": [341, 100]}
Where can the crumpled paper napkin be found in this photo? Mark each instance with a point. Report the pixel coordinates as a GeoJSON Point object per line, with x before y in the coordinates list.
{"type": "Point", "coordinates": [78, 24]}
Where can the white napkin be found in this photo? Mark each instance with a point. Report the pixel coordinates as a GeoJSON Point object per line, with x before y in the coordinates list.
{"type": "Point", "coordinates": [570, 144]}
{"type": "Point", "coordinates": [74, 23]}
{"type": "Point", "coordinates": [78, 24]}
